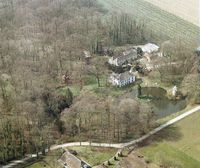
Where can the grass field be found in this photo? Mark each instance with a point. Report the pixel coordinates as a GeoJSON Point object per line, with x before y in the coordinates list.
{"type": "Point", "coordinates": [167, 25]}
{"type": "Point", "coordinates": [188, 10]}
{"type": "Point", "coordinates": [178, 145]}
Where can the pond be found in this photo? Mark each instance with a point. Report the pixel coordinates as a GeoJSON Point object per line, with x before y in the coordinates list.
{"type": "Point", "coordinates": [161, 104]}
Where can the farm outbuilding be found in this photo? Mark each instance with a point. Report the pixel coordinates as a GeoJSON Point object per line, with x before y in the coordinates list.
{"type": "Point", "coordinates": [87, 56]}
{"type": "Point", "coordinates": [198, 51]}
{"type": "Point", "coordinates": [126, 57]}
{"type": "Point", "coordinates": [149, 48]}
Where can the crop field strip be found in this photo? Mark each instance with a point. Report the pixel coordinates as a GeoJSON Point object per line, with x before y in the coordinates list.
{"type": "Point", "coordinates": [142, 10]}
{"type": "Point", "coordinates": [156, 16]}
{"type": "Point", "coordinates": [188, 10]}
{"type": "Point", "coordinates": [157, 19]}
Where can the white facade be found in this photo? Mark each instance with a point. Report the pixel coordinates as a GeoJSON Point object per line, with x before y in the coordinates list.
{"type": "Point", "coordinates": [127, 81]}
{"type": "Point", "coordinates": [113, 61]}
{"type": "Point", "coordinates": [174, 91]}
{"type": "Point", "coordinates": [114, 80]}
{"type": "Point", "coordinates": [122, 79]}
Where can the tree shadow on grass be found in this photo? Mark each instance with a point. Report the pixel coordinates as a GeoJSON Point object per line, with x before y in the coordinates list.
{"type": "Point", "coordinates": [171, 133]}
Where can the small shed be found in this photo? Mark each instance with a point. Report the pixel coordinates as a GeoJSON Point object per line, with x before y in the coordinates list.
{"type": "Point", "coordinates": [87, 57]}
{"type": "Point", "coordinates": [198, 51]}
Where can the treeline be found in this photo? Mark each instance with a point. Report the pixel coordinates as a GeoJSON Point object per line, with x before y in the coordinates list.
{"type": "Point", "coordinates": [13, 141]}
{"type": "Point", "coordinates": [41, 40]}
{"type": "Point", "coordinates": [124, 29]}
{"type": "Point", "coordinates": [120, 30]}
{"type": "Point", "coordinates": [108, 119]}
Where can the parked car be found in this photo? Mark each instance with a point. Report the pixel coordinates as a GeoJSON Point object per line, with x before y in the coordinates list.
{"type": "Point", "coordinates": [86, 166]}
{"type": "Point", "coordinates": [65, 165]}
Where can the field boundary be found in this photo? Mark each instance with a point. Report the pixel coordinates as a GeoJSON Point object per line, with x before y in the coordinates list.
{"type": "Point", "coordinates": [161, 23]}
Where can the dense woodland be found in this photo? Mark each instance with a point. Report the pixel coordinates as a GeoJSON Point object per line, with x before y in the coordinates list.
{"type": "Point", "coordinates": [42, 40]}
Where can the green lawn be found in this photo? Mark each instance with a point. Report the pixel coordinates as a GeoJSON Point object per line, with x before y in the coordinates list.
{"type": "Point", "coordinates": [165, 25]}
{"type": "Point", "coordinates": [94, 155]}
{"type": "Point", "coordinates": [50, 161]}
{"type": "Point", "coordinates": [104, 90]}
{"type": "Point", "coordinates": [178, 145]}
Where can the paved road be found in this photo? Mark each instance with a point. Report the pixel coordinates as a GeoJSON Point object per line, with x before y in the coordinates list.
{"type": "Point", "coordinates": [167, 124]}
{"type": "Point", "coordinates": [17, 162]}
{"type": "Point", "coordinates": [122, 145]}
{"type": "Point", "coordinates": [119, 145]}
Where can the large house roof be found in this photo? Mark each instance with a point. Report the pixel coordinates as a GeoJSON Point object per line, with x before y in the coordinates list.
{"type": "Point", "coordinates": [123, 76]}
{"type": "Point", "coordinates": [126, 55]}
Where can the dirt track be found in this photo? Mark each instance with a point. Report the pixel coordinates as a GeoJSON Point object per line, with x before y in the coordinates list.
{"type": "Point", "coordinates": [186, 9]}
{"type": "Point", "coordinates": [121, 145]}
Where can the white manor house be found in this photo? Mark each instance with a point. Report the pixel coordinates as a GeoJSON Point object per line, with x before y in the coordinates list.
{"type": "Point", "coordinates": [122, 79]}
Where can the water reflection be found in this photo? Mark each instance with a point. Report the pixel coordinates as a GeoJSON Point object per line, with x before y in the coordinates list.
{"type": "Point", "coordinates": [162, 105]}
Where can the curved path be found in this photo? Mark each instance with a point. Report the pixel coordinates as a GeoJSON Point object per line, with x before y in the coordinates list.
{"type": "Point", "coordinates": [123, 145]}
{"type": "Point", "coordinates": [111, 145]}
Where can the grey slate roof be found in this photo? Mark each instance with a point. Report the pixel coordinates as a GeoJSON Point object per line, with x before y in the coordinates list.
{"type": "Point", "coordinates": [123, 76]}
{"type": "Point", "coordinates": [126, 56]}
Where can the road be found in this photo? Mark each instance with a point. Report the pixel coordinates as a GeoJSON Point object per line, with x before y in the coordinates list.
{"type": "Point", "coordinates": [119, 145]}
{"type": "Point", "coordinates": [17, 162]}
{"type": "Point", "coordinates": [122, 145]}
